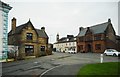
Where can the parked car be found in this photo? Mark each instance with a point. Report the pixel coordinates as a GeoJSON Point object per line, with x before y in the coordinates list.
{"type": "Point", "coordinates": [71, 51]}
{"type": "Point", "coordinates": [112, 52]}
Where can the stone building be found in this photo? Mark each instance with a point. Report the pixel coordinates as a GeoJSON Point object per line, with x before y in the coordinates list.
{"type": "Point", "coordinates": [30, 41]}
{"type": "Point", "coordinates": [65, 44]}
{"type": "Point", "coordinates": [118, 42]}
{"type": "Point", "coordinates": [50, 48]}
{"type": "Point", "coordinates": [4, 10]}
{"type": "Point", "coordinates": [97, 38]}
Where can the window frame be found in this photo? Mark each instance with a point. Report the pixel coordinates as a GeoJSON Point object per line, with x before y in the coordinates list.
{"type": "Point", "coordinates": [29, 36]}
{"type": "Point", "coordinates": [98, 46]}
{"type": "Point", "coordinates": [29, 50]}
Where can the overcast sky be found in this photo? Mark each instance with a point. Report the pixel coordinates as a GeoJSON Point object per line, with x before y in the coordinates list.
{"type": "Point", "coordinates": [63, 17]}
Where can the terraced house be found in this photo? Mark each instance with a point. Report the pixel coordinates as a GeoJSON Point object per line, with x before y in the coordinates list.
{"type": "Point", "coordinates": [30, 41]}
{"type": "Point", "coordinates": [97, 38]}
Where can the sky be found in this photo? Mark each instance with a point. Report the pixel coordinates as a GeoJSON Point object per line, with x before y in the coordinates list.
{"type": "Point", "coordinates": [63, 16]}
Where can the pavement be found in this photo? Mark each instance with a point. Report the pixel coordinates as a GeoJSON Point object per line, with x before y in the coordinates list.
{"type": "Point", "coordinates": [8, 60]}
{"type": "Point", "coordinates": [32, 66]}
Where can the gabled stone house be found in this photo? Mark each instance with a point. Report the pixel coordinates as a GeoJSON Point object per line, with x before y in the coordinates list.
{"type": "Point", "coordinates": [30, 41]}
{"type": "Point", "coordinates": [97, 38]}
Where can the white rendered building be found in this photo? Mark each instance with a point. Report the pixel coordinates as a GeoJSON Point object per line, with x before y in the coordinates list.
{"type": "Point", "coordinates": [4, 10]}
{"type": "Point", "coordinates": [65, 44]}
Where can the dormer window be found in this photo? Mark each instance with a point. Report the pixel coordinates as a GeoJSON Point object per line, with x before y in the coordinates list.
{"type": "Point", "coordinates": [29, 36]}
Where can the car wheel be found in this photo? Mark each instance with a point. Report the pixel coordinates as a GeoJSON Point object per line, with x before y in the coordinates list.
{"type": "Point", "coordinates": [114, 54]}
{"type": "Point", "coordinates": [105, 54]}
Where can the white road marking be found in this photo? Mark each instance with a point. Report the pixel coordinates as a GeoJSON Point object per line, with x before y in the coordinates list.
{"type": "Point", "coordinates": [49, 70]}
{"type": "Point", "coordinates": [35, 62]}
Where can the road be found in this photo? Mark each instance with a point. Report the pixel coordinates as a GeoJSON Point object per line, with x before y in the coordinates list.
{"type": "Point", "coordinates": [56, 64]}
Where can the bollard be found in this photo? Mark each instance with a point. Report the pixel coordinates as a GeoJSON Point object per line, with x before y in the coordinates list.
{"type": "Point", "coordinates": [101, 58]}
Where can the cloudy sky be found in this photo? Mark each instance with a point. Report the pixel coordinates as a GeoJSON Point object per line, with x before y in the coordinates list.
{"type": "Point", "coordinates": [63, 16]}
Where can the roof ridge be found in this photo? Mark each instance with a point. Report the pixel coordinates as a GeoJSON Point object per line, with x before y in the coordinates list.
{"type": "Point", "coordinates": [37, 29]}
{"type": "Point", "coordinates": [94, 25]}
{"type": "Point", "coordinates": [21, 25]}
{"type": "Point", "coordinates": [98, 24]}
{"type": "Point", "coordinates": [95, 28]}
{"type": "Point", "coordinates": [24, 23]}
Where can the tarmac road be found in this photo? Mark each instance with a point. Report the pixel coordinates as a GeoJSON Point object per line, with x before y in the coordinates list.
{"type": "Point", "coordinates": [64, 70]}
{"type": "Point", "coordinates": [74, 63]}
{"type": "Point", "coordinates": [56, 64]}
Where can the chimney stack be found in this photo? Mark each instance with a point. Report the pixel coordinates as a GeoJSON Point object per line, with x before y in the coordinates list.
{"type": "Point", "coordinates": [43, 28]}
{"type": "Point", "coordinates": [109, 20]}
{"type": "Point", "coordinates": [80, 29]}
{"type": "Point", "coordinates": [13, 24]}
{"type": "Point", "coordinates": [88, 28]}
{"type": "Point", "coordinates": [57, 37]}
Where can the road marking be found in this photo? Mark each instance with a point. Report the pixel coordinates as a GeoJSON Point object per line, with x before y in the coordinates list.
{"type": "Point", "coordinates": [49, 70]}
{"type": "Point", "coordinates": [36, 62]}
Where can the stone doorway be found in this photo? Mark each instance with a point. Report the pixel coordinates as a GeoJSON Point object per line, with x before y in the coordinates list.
{"type": "Point", "coordinates": [89, 48]}
{"type": "Point", "coordinates": [42, 49]}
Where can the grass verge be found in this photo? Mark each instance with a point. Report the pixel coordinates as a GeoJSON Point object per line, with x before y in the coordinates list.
{"type": "Point", "coordinates": [110, 69]}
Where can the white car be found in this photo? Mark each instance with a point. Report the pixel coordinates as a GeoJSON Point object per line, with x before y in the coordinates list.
{"type": "Point", "coordinates": [71, 51]}
{"type": "Point", "coordinates": [112, 52]}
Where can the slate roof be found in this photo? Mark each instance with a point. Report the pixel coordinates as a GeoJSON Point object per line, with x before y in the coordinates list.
{"type": "Point", "coordinates": [96, 29]}
{"type": "Point", "coordinates": [83, 32]}
{"type": "Point", "coordinates": [41, 33]}
{"type": "Point", "coordinates": [64, 40]}
{"type": "Point", "coordinates": [117, 37]}
{"type": "Point", "coordinates": [38, 31]}
{"type": "Point", "coordinates": [19, 28]}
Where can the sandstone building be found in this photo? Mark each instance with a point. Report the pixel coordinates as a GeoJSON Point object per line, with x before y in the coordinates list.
{"type": "Point", "coordinates": [30, 41]}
